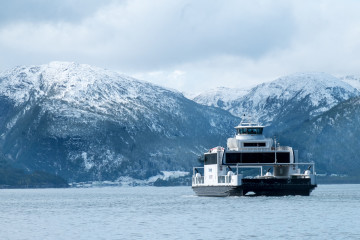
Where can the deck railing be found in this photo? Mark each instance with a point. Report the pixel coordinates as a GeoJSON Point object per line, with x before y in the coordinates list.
{"type": "Point", "coordinates": [263, 149]}
{"type": "Point", "coordinates": [197, 180]}
{"type": "Point", "coordinates": [261, 165]}
{"type": "Point", "coordinates": [228, 178]}
{"type": "Point", "coordinates": [224, 179]}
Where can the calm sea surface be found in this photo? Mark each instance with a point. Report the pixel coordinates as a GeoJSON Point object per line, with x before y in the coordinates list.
{"type": "Point", "coordinates": [331, 212]}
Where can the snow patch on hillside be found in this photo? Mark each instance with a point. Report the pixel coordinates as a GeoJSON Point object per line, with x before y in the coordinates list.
{"type": "Point", "coordinates": [220, 97]}
{"type": "Point", "coordinates": [353, 80]}
{"type": "Point", "coordinates": [164, 175]}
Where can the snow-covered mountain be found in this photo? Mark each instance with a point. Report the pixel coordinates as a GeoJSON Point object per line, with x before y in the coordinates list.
{"type": "Point", "coordinates": [87, 123]}
{"type": "Point", "coordinates": [83, 123]}
{"type": "Point", "coordinates": [221, 97]}
{"type": "Point", "coordinates": [291, 98]}
{"type": "Point", "coordinates": [352, 80]}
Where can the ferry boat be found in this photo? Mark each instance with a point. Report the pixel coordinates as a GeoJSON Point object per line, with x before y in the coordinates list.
{"type": "Point", "coordinates": [253, 165]}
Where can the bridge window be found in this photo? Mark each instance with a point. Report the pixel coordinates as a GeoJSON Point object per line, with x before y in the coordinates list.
{"type": "Point", "coordinates": [211, 158]}
{"type": "Point", "coordinates": [254, 144]}
{"type": "Point", "coordinates": [250, 131]}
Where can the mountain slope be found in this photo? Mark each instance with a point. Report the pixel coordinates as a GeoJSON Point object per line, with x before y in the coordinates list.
{"type": "Point", "coordinates": [330, 139]}
{"type": "Point", "coordinates": [83, 123]}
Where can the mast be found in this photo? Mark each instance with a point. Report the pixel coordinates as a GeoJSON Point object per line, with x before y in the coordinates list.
{"type": "Point", "coordinates": [275, 149]}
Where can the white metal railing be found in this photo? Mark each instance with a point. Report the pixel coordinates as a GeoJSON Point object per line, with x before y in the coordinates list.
{"type": "Point", "coordinates": [225, 179]}
{"type": "Point", "coordinates": [198, 180]}
{"type": "Point", "coordinates": [261, 165]}
{"type": "Point", "coordinates": [232, 179]}
{"type": "Point", "coordinates": [263, 149]}
{"type": "Point", "coordinates": [281, 148]}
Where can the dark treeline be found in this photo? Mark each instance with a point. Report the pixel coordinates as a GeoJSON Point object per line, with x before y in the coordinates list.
{"type": "Point", "coordinates": [11, 177]}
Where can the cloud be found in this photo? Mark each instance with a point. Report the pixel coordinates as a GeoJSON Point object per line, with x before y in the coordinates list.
{"type": "Point", "coordinates": [163, 34]}
{"type": "Point", "coordinates": [225, 70]}
{"type": "Point", "coordinates": [153, 34]}
{"type": "Point", "coordinates": [185, 44]}
{"type": "Point", "coordinates": [45, 11]}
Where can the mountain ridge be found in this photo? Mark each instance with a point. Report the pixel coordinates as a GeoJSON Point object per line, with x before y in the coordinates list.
{"type": "Point", "coordinates": [314, 92]}
{"type": "Point", "coordinates": [82, 122]}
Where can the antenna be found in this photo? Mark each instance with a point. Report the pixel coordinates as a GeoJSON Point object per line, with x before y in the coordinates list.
{"type": "Point", "coordinates": [248, 119]}
{"type": "Point", "coordinates": [243, 118]}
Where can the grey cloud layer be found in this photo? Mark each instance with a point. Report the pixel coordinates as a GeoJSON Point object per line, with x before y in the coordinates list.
{"type": "Point", "coordinates": [185, 43]}
{"type": "Point", "coordinates": [147, 34]}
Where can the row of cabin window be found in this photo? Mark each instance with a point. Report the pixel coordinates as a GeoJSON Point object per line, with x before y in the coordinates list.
{"type": "Point", "coordinates": [233, 158]}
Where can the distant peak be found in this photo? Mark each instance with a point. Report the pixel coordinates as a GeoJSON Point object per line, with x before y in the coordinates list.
{"type": "Point", "coordinates": [61, 63]}
{"type": "Point", "coordinates": [68, 65]}
{"type": "Point", "coordinates": [310, 80]}
{"type": "Point", "coordinates": [317, 76]}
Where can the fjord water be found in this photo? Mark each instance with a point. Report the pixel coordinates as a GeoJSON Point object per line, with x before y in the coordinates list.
{"type": "Point", "coordinates": [331, 212]}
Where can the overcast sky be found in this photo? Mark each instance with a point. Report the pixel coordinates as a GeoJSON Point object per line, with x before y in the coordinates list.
{"type": "Point", "coordinates": [188, 45]}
